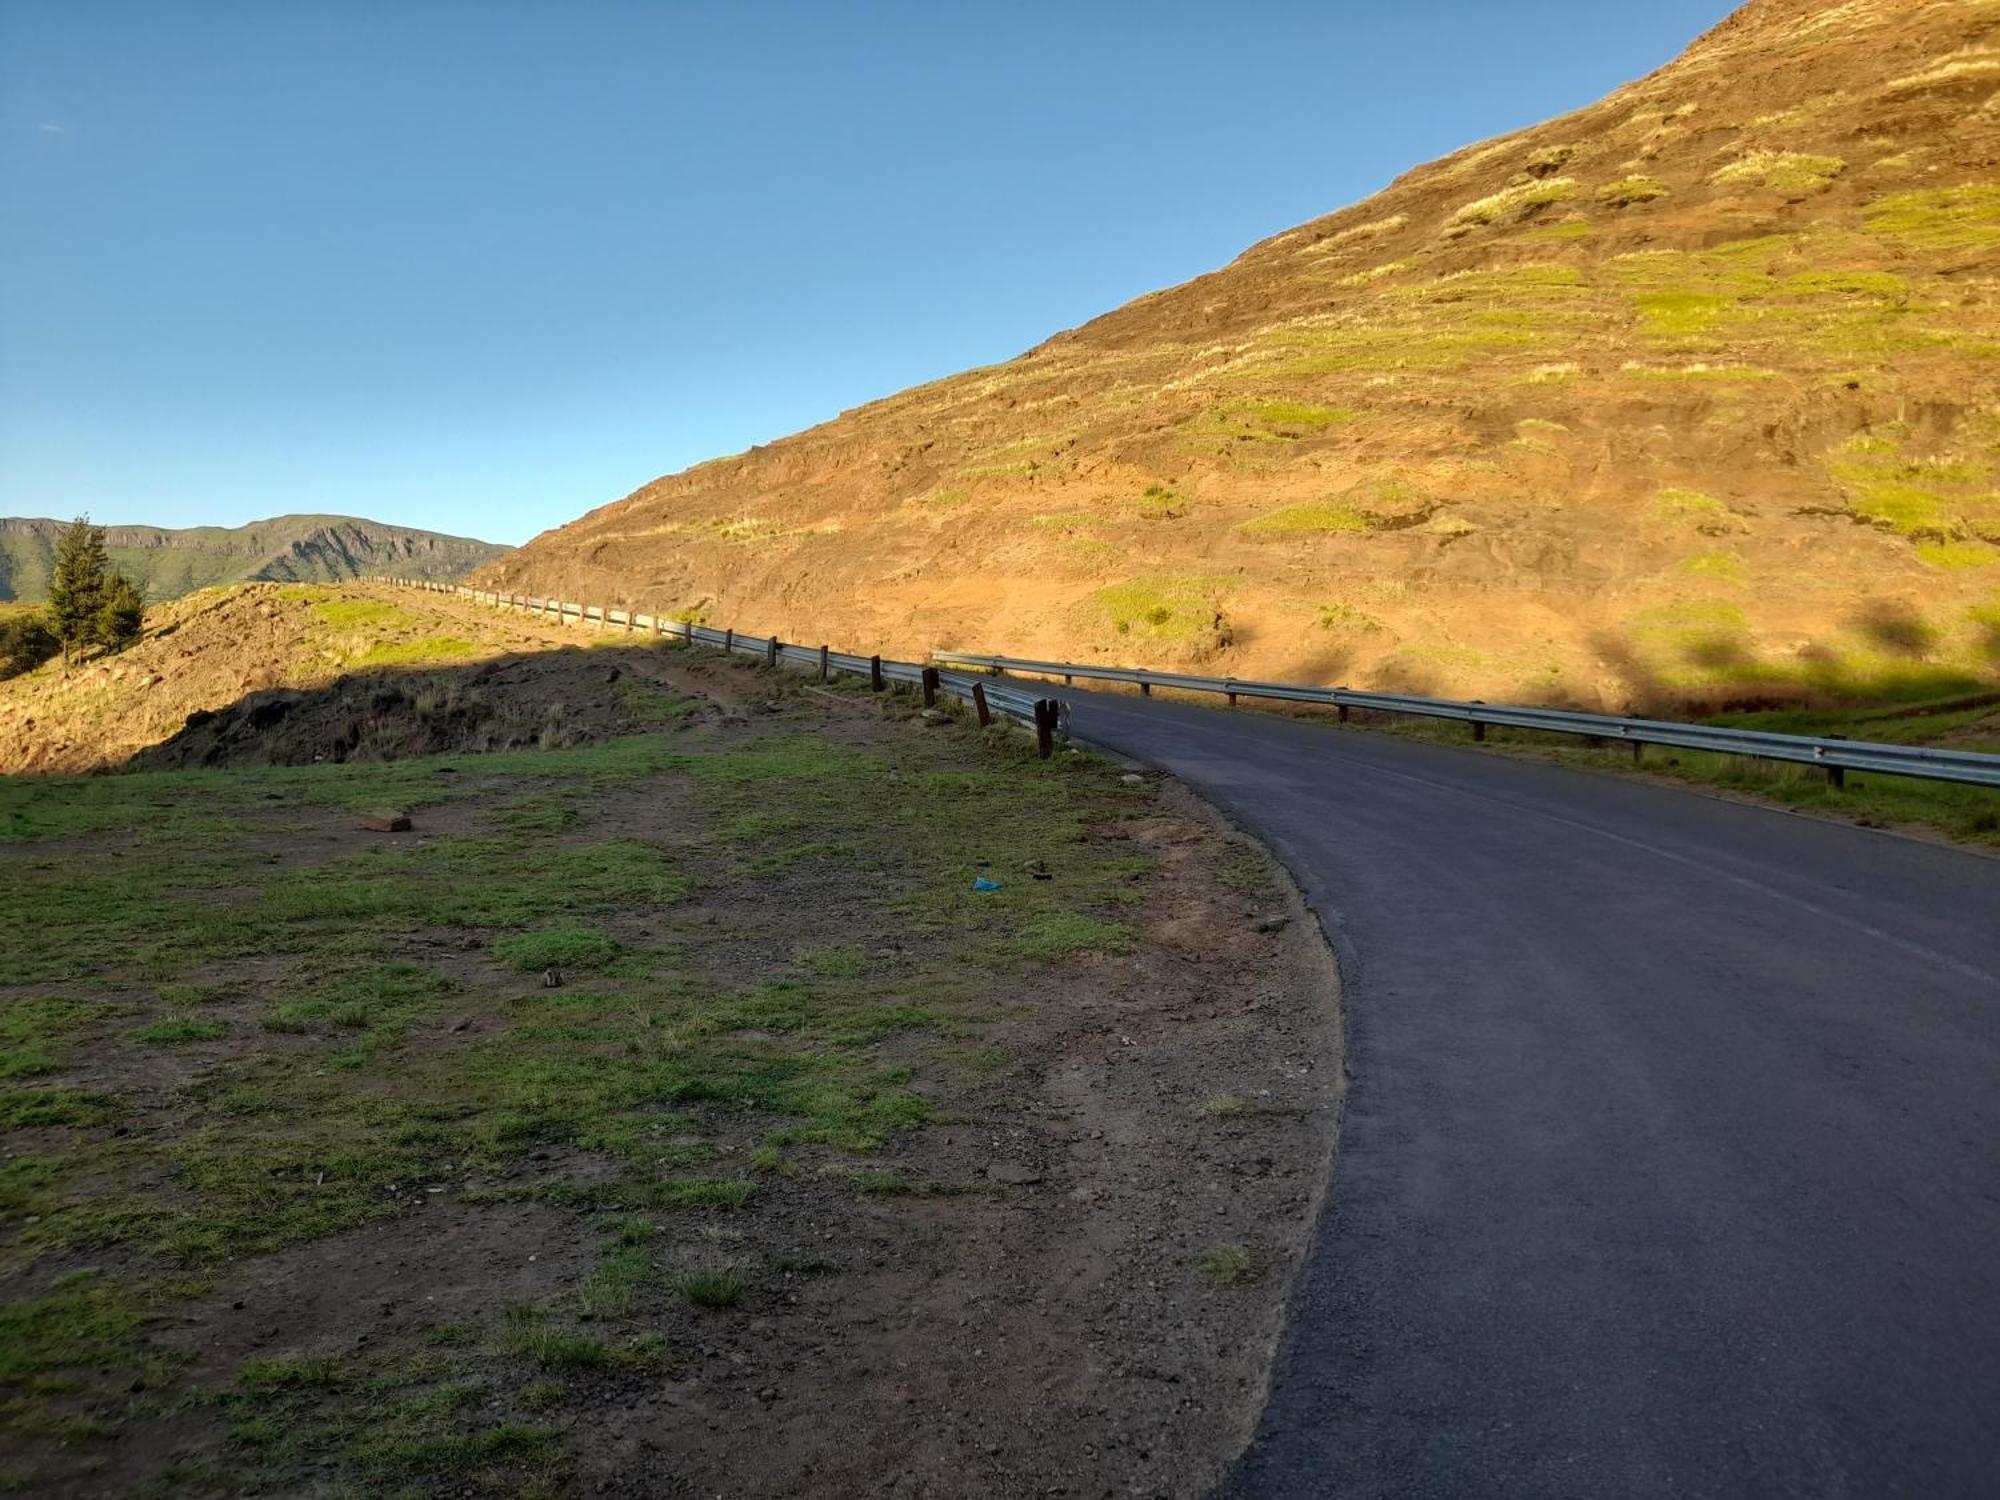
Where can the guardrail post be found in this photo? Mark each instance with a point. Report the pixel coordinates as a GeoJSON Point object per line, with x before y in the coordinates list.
{"type": "Point", "coordinates": [1343, 712]}
{"type": "Point", "coordinates": [1145, 689]}
{"type": "Point", "coordinates": [729, 640]}
{"type": "Point", "coordinates": [1638, 751]}
{"type": "Point", "coordinates": [630, 624]}
{"type": "Point", "coordinates": [1836, 776]}
{"type": "Point", "coordinates": [771, 653]}
{"type": "Point", "coordinates": [930, 687]}
{"type": "Point", "coordinates": [825, 663]}
{"type": "Point", "coordinates": [1045, 727]}
{"type": "Point", "coordinates": [875, 673]}
{"type": "Point", "coordinates": [1478, 726]}
{"type": "Point", "coordinates": [979, 704]}
{"type": "Point", "coordinates": [1232, 697]}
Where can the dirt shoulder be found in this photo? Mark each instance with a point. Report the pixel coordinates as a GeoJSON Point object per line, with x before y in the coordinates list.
{"type": "Point", "coordinates": [812, 1169]}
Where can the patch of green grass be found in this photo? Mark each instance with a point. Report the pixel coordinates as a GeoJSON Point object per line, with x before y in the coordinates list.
{"type": "Point", "coordinates": [1062, 934]}
{"type": "Point", "coordinates": [1179, 608]}
{"type": "Point", "coordinates": [570, 946]}
{"type": "Point", "coordinates": [355, 614]}
{"type": "Point", "coordinates": [83, 1319]}
{"type": "Point", "coordinates": [713, 1287]}
{"type": "Point", "coordinates": [1509, 204]}
{"type": "Point", "coordinates": [1305, 519]}
{"type": "Point", "coordinates": [1964, 218]}
{"type": "Point", "coordinates": [1958, 555]}
{"type": "Point", "coordinates": [530, 1336]}
{"type": "Point", "coordinates": [1690, 504]}
{"type": "Point", "coordinates": [1627, 191]}
{"type": "Point", "coordinates": [1231, 1265]}
{"type": "Point", "coordinates": [1724, 567]}
{"type": "Point", "coordinates": [1346, 619]}
{"type": "Point", "coordinates": [423, 651]}
{"type": "Point", "coordinates": [1273, 420]}
{"type": "Point", "coordinates": [1780, 171]}
{"type": "Point", "coordinates": [36, 1033]}
{"type": "Point", "coordinates": [1223, 1107]}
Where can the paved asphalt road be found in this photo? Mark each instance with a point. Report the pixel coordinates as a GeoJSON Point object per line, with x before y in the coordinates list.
{"type": "Point", "coordinates": [1671, 1163]}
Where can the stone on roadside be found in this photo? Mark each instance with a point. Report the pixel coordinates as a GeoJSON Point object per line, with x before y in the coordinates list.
{"type": "Point", "coordinates": [1018, 1174]}
{"type": "Point", "coordinates": [388, 822]}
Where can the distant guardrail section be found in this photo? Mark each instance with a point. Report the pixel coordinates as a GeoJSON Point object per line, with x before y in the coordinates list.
{"type": "Point", "coordinates": [1835, 755]}
{"type": "Point", "coordinates": [985, 696]}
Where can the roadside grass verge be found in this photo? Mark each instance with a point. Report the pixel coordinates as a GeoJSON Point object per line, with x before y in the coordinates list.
{"type": "Point", "coordinates": [651, 985]}
{"type": "Point", "coordinates": [1969, 814]}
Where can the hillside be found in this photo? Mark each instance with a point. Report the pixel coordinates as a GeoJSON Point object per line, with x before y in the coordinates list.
{"type": "Point", "coordinates": [286, 549]}
{"type": "Point", "coordinates": [390, 672]}
{"type": "Point", "coordinates": [1690, 395]}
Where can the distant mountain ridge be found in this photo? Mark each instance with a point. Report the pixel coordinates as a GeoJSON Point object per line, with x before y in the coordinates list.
{"type": "Point", "coordinates": [167, 563]}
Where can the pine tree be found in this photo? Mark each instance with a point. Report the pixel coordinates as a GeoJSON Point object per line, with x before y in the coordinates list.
{"type": "Point", "coordinates": [120, 613]}
{"type": "Point", "coordinates": [76, 592]}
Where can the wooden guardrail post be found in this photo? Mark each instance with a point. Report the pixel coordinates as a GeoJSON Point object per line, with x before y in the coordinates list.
{"type": "Point", "coordinates": [1836, 776]}
{"type": "Point", "coordinates": [729, 640]}
{"type": "Point", "coordinates": [771, 653]}
{"type": "Point", "coordinates": [1045, 727]}
{"type": "Point", "coordinates": [825, 663]}
{"type": "Point", "coordinates": [1145, 689]}
{"type": "Point", "coordinates": [979, 704]}
{"type": "Point", "coordinates": [1478, 726]}
{"type": "Point", "coordinates": [930, 687]}
{"type": "Point", "coordinates": [1343, 712]}
{"type": "Point", "coordinates": [875, 674]}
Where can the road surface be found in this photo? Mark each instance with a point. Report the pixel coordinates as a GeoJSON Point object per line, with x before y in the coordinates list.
{"type": "Point", "coordinates": [1671, 1160]}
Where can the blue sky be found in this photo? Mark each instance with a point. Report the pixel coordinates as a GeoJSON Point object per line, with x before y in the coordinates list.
{"type": "Point", "coordinates": [480, 267]}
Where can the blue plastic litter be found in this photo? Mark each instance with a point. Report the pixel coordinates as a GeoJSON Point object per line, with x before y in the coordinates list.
{"type": "Point", "coordinates": [981, 883]}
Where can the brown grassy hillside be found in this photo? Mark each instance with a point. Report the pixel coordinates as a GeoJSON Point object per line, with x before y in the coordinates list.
{"type": "Point", "coordinates": [1692, 394]}
{"type": "Point", "coordinates": [292, 674]}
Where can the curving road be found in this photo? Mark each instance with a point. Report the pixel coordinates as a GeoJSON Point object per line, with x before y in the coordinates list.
{"type": "Point", "coordinates": [1671, 1161]}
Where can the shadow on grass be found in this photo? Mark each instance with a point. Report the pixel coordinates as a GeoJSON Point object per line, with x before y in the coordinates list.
{"type": "Point", "coordinates": [550, 700]}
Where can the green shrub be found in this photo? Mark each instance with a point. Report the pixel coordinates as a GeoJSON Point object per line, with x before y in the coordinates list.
{"type": "Point", "coordinates": [26, 641]}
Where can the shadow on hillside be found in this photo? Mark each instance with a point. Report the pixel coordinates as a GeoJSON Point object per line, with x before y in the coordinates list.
{"type": "Point", "coordinates": [569, 695]}
{"type": "Point", "coordinates": [1714, 669]}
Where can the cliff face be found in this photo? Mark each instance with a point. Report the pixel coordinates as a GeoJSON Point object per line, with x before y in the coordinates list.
{"type": "Point", "coordinates": [299, 549]}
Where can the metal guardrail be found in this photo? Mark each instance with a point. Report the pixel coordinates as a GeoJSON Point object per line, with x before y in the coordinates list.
{"type": "Point", "coordinates": [984, 695]}
{"type": "Point", "coordinates": [1837, 756]}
